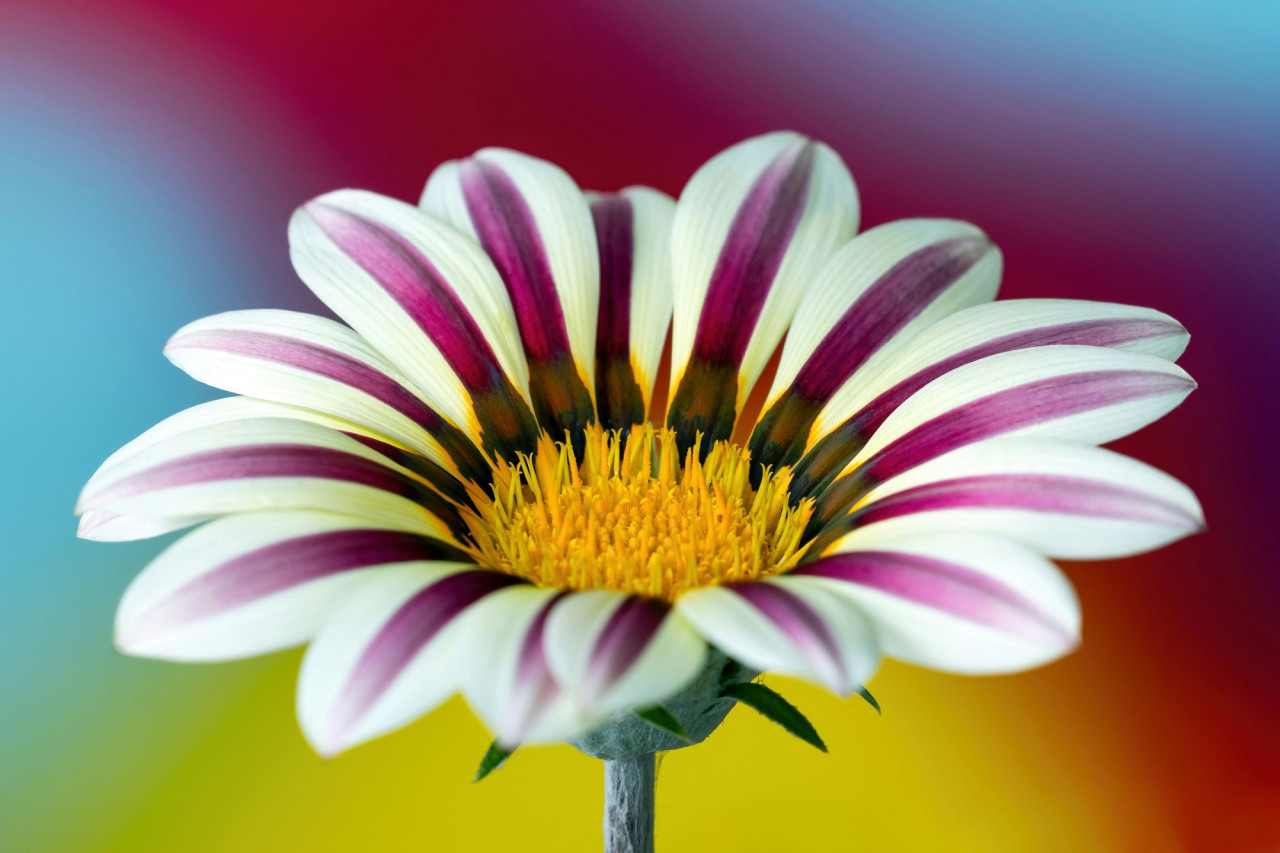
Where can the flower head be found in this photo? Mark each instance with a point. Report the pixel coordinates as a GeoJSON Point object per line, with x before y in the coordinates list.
{"type": "Point", "coordinates": [457, 487]}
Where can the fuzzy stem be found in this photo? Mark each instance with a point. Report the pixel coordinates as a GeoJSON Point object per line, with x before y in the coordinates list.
{"type": "Point", "coordinates": [628, 804]}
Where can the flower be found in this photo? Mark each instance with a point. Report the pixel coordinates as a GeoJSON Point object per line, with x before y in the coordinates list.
{"type": "Point", "coordinates": [458, 489]}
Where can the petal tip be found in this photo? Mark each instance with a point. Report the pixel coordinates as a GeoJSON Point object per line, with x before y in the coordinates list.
{"type": "Point", "coordinates": [124, 643]}
{"type": "Point", "coordinates": [327, 741]}
{"type": "Point", "coordinates": [174, 342]}
{"type": "Point", "coordinates": [327, 750]}
{"type": "Point", "coordinates": [507, 742]}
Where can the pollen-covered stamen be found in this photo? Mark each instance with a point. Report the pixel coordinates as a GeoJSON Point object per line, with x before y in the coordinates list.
{"type": "Point", "coordinates": [632, 515]}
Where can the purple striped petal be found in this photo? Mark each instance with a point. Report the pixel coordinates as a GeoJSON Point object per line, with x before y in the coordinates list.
{"type": "Point", "coordinates": [348, 370]}
{"type": "Point", "coordinates": [803, 625]}
{"type": "Point", "coordinates": [948, 587]}
{"type": "Point", "coordinates": [824, 461]}
{"type": "Point", "coordinates": [431, 302]}
{"type": "Point", "coordinates": [705, 399]}
{"type": "Point", "coordinates": [417, 286]}
{"type": "Point", "coordinates": [444, 482]}
{"type": "Point", "coordinates": [409, 630]}
{"type": "Point", "coordinates": [619, 400]}
{"type": "Point", "coordinates": [103, 526]}
{"type": "Point", "coordinates": [611, 652]}
{"type": "Point", "coordinates": [1016, 408]}
{"type": "Point", "coordinates": [272, 461]}
{"type": "Point", "coordinates": [276, 568]}
{"type": "Point", "coordinates": [884, 309]}
{"type": "Point", "coordinates": [752, 252]}
{"type": "Point", "coordinates": [508, 231]}
{"type": "Point", "coordinates": [619, 645]}
{"type": "Point", "coordinates": [533, 688]}
{"type": "Point", "coordinates": [1033, 492]}
{"type": "Point", "coordinates": [995, 414]}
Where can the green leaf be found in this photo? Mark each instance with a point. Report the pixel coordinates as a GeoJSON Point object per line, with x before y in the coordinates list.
{"type": "Point", "coordinates": [773, 706]}
{"type": "Point", "coordinates": [494, 756]}
{"type": "Point", "coordinates": [871, 700]}
{"type": "Point", "coordinates": [663, 719]}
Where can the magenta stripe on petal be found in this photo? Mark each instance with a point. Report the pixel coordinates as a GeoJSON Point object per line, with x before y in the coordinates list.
{"type": "Point", "coordinates": [506, 423]}
{"type": "Point", "coordinates": [894, 300]}
{"type": "Point", "coordinates": [316, 359]}
{"type": "Point", "coordinates": [614, 220]}
{"type": "Point", "coordinates": [803, 625]}
{"type": "Point", "coordinates": [1015, 408]}
{"type": "Point", "coordinates": [1096, 333]}
{"type": "Point", "coordinates": [753, 251]}
{"type": "Point", "coordinates": [1033, 492]}
{"type": "Point", "coordinates": [944, 586]}
{"type": "Point", "coordinates": [444, 481]}
{"type": "Point", "coordinates": [620, 643]}
{"type": "Point", "coordinates": [405, 634]}
{"type": "Point", "coordinates": [278, 567]}
{"type": "Point", "coordinates": [508, 232]}
{"type": "Point", "coordinates": [836, 449]}
{"type": "Point", "coordinates": [281, 460]}
{"type": "Point", "coordinates": [259, 460]}
{"type": "Point", "coordinates": [411, 279]}
{"type": "Point", "coordinates": [506, 228]}
{"type": "Point", "coordinates": [532, 659]}
{"type": "Point", "coordinates": [534, 687]}
{"type": "Point", "coordinates": [619, 402]}
{"type": "Point", "coordinates": [705, 400]}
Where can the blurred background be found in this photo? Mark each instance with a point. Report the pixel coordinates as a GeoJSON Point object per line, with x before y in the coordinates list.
{"type": "Point", "coordinates": [151, 152]}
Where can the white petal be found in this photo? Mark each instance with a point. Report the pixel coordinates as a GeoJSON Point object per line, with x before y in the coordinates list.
{"type": "Point", "coordinates": [563, 223]}
{"type": "Point", "coordinates": [504, 672]}
{"type": "Point", "coordinates": [611, 651]}
{"type": "Point", "coordinates": [874, 297]}
{"type": "Point", "coordinates": [633, 232]}
{"type": "Point", "coordinates": [959, 602]}
{"type": "Point", "coordinates": [114, 527]}
{"type": "Point", "coordinates": [421, 293]}
{"type": "Point", "coordinates": [792, 628]}
{"type": "Point", "coordinates": [892, 376]}
{"type": "Point", "coordinates": [651, 291]}
{"type": "Point", "coordinates": [534, 223]}
{"type": "Point", "coordinates": [225, 410]}
{"type": "Point", "coordinates": [103, 526]}
{"type": "Point", "coordinates": [252, 584]}
{"type": "Point", "coordinates": [883, 288]}
{"type": "Point", "coordinates": [1064, 500]}
{"type": "Point", "coordinates": [311, 362]}
{"type": "Point", "coordinates": [247, 465]}
{"type": "Point", "coordinates": [752, 229]}
{"type": "Point", "coordinates": [387, 656]}
{"type": "Point", "coordinates": [1078, 393]}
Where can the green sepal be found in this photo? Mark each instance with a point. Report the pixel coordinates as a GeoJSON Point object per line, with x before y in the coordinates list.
{"type": "Point", "coordinates": [663, 719]}
{"type": "Point", "coordinates": [494, 756]}
{"type": "Point", "coordinates": [871, 700]}
{"type": "Point", "coordinates": [770, 704]}
{"type": "Point", "coordinates": [730, 672]}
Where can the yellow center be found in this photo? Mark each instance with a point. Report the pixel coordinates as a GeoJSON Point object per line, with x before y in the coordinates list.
{"type": "Point", "coordinates": [631, 517]}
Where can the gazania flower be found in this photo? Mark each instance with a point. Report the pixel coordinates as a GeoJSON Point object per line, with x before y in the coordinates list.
{"type": "Point", "coordinates": [457, 487]}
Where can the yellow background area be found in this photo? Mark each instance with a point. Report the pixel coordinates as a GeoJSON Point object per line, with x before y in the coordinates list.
{"type": "Point", "coordinates": [953, 764]}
